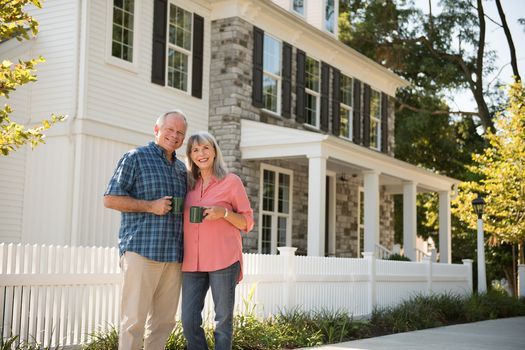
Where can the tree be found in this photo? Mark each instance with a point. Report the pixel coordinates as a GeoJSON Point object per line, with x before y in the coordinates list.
{"type": "Point", "coordinates": [15, 23]}
{"type": "Point", "coordinates": [501, 171]}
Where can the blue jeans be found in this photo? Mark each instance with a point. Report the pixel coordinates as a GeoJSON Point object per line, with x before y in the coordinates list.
{"type": "Point", "coordinates": [195, 285]}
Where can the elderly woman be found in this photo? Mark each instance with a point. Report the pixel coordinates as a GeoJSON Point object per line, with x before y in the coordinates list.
{"type": "Point", "coordinates": [212, 248]}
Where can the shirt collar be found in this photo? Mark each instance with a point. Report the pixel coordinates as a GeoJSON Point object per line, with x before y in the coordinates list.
{"type": "Point", "coordinates": [160, 151]}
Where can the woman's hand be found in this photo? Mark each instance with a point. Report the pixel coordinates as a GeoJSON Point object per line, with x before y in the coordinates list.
{"type": "Point", "coordinates": [214, 213]}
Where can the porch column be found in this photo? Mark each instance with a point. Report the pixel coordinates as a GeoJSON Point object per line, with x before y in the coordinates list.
{"type": "Point", "coordinates": [371, 215]}
{"type": "Point", "coordinates": [445, 247]}
{"type": "Point", "coordinates": [316, 205]}
{"type": "Point", "coordinates": [409, 219]}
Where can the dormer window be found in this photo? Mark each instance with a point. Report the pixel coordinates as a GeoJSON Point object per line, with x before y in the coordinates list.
{"type": "Point", "coordinates": [298, 6]}
{"type": "Point", "coordinates": [329, 16]}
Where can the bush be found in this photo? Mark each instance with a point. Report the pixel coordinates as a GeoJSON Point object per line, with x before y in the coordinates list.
{"type": "Point", "coordinates": [398, 257]}
{"type": "Point", "coordinates": [297, 328]}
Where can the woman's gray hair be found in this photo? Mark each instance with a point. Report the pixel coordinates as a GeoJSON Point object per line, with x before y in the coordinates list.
{"type": "Point", "coordinates": [219, 166]}
{"type": "Point", "coordinates": [162, 118]}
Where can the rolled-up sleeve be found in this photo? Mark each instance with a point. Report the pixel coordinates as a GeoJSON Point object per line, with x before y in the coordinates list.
{"type": "Point", "coordinates": [123, 178]}
{"type": "Point", "coordinates": [241, 203]}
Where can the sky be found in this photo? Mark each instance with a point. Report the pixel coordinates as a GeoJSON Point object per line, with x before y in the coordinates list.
{"type": "Point", "coordinates": [496, 40]}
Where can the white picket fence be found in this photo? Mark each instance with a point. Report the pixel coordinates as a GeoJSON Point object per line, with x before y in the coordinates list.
{"type": "Point", "coordinates": [60, 295]}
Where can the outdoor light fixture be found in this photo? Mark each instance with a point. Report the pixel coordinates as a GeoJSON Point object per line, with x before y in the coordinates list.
{"type": "Point", "coordinates": [479, 205]}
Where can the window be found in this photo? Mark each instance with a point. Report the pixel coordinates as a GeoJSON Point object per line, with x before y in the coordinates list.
{"type": "Point", "coordinates": [361, 223]}
{"type": "Point", "coordinates": [179, 47]}
{"type": "Point", "coordinates": [272, 74]}
{"type": "Point", "coordinates": [122, 38]}
{"type": "Point", "coordinates": [276, 205]}
{"type": "Point", "coordinates": [298, 6]}
{"type": "Point", "coordinates": [312, 91]}
{"type": "Point", "coordinates": [375, 119]}
{"type": "Point", "coordinates": [346, 107]}
{"type": "Point", "coordinates": [329, 16]}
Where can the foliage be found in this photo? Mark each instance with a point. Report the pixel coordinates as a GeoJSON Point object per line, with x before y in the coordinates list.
{"type": "Point", "coordinates": [501, 167]}
{"type": "Point", "coordinates": [16, 23]}
{"type": "Point", "coordinates": [297, 328]}
{"type": "Point", "coordinates": [398, 257]}
{"type": "Point", "coordinates": [103, 340]}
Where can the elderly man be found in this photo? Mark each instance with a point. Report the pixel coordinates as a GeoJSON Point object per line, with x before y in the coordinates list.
{"type": "Point", "coordinates": [150, 236]}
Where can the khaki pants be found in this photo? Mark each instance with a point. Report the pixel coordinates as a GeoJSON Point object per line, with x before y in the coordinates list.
{"type": "Point", "coordinates": [150, 296]}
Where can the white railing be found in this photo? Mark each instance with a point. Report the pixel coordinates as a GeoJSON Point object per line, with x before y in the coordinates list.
{"type": "Point", "coordinates": [59, 295]}
{"type": "Point", "coordinates": [383, 252]}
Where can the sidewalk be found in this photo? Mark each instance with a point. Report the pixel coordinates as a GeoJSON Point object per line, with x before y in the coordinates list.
{"type": "Point", "coordinates": [501, 334]}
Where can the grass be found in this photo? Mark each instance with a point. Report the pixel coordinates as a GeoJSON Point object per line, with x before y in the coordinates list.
{"type": "Point", "coordinates": [297, 328]}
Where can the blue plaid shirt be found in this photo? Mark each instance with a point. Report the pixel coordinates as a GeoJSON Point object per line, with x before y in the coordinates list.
{"type": "Point", "coordinates": [145, 173]}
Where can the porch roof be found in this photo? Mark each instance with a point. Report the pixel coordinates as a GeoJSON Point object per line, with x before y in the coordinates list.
{"type": "Point", "coordinates": [266, 141]}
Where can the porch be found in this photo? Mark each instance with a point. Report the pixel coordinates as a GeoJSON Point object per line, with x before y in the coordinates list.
{"type": "Point", "coordinates": [328, 161]}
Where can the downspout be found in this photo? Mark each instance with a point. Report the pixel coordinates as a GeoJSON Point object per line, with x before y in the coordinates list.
{"type": "Point", "coordinates": [73, 126]}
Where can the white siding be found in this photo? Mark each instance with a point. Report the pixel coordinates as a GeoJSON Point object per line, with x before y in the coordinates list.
{"type": "Point", "coordinates": [117, 96]}
{"type": "Point", "coordinates": [92, 223]}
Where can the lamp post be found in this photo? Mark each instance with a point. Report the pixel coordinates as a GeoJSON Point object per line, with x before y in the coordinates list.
{"type": "Point", "coordinates": [479, 205]}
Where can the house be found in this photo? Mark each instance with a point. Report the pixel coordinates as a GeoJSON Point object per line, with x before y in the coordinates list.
{"type": "Point", "coordinates": [307, 122]}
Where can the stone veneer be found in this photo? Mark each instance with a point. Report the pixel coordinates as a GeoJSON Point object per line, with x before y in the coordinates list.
{"type": "Point", "coordinates": [230, 101]}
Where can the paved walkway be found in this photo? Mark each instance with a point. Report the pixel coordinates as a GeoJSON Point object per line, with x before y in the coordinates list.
{"type": "Point", "coordinates": [502, 334]}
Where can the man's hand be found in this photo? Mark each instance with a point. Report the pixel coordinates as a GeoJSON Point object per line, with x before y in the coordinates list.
{"type": "Point", "coordinates": [161, 206]}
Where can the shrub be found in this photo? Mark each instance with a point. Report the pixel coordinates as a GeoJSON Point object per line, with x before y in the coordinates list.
{"type": "Point", "coordinates": [398, 257]}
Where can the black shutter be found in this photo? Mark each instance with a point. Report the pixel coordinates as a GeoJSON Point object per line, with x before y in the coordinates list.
{"type": "Point", "coordinates": [384, 122]}
{"type": "Point", "coordinates": [300, 101]}
{"type": "Point", "coordinates": [257, 83]}
{"type": "Point", "coordinates": [336, 100]}
{"type": "Point", "coordinates": [366, 115]}
{"type": "Point", "coordinates": [325, 90]}
{"type": "Point", "coordinates": [198, 48]}
{"type": "Point", "coordinates": [356, 137]}
{"type": "Point", "coordinates": [287, 80]}
{"type": "Point", "coordinates": [158, 61]}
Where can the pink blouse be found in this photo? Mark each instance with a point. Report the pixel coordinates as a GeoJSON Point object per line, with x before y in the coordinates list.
{"type": "Point", "coordinates": [216, 244]}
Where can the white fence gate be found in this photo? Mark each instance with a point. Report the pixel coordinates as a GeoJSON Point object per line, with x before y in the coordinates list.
{"type": "Point", "coordinates": [60, 295]}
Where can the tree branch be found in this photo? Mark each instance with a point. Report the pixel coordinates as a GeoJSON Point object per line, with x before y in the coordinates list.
{"type": "Point", "coordinates": [508, 35]}
{"type": "Point", "coordinates": [403, 106]}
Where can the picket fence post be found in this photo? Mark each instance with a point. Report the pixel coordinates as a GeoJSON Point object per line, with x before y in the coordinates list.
{"type": "Point", "coordinates": [290, 275]}
{"type": "Point", "coordinates": [428, 260]}
{"type": "Point", "coordinates": [468, 265]}
{"type": "Point", "coordinates": [372, 293]}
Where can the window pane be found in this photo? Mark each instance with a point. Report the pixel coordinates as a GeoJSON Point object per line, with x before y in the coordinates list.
{"type": "Point", "coordinates": [346, 90]}
{"type": "Point", "coordinates": [266, 239]}
{"type": "Point", "coordinates": [329, 16]}
{"type": "Point", "coordinates": [177, 70]}
{"type": "Point", "coordinates": [298, 6]}
{"type": "Point", "coordinates": [268, 190]}
{"type": "Point", "coordinates": [311, 109]}
{"type": "Point", "coordinates": [345, 123]}
{"type": "Point", "coordinates": [122, 36]}
{"type": "Point", "coordinates": [284, 193]}
{"type": "Point", "coordinates": [374, 133]}
{"type": "Point", "coordinates": [281, 231]}
{"type": "Point", "coordinates": [375, 104]}
{"type": "Point", "coordinates": [270, 93]}
{"type": "Point", "coordinates": [180, 27]}
{"type": "Point", "coordinates": [272, 56]}
{"type": "Point", "coordinates": [312, 74]}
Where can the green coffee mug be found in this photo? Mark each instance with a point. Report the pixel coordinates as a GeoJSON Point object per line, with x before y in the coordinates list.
{"type": "Point", "coordinates": [197, 214]}
{"type": "Point", "coordinates": [177, 205]}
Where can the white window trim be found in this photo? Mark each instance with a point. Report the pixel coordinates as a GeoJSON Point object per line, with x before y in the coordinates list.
{"type": "Point", "coordinates": [118, 62]}
{"type": "Point", "coordinates": [279, 79]}
{"type": "Point", "coordinates": [350, 109]}
{"type": "Point", "coordinates": [332, 188]}
{"type": "Point", "coordinates": [274, 214]}
{"type": "Point", "coordinates": [179, 49]}
{"type": "Point", "coordinates": [377, 119]}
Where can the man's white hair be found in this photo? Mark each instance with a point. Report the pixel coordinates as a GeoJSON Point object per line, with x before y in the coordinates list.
{"type": "Point", "coordinates": [162, 118]}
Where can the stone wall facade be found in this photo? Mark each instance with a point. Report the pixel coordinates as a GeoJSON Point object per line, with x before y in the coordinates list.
{"type": "Point", "coordinates": [231, 101]}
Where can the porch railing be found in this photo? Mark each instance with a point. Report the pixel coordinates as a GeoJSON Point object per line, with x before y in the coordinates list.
{"type": "Point", "coordinates": [59, 295]}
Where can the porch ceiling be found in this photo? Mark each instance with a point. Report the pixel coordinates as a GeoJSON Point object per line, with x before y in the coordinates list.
{"type": "Point", "coordinates": [266, 141]}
